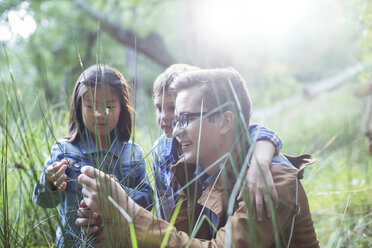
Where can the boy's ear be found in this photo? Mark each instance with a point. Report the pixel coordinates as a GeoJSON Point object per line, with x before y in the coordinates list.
{"type": "Point", "coordinates": [228, 121]}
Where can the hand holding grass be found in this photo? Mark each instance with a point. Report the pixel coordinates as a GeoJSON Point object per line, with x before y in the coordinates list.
{"type": "Point", "coordinates": [56, 175]}
{"type": "Point", "coordinates": [88, 220]}
{"type": "Point", "coordinates": [97, 186]}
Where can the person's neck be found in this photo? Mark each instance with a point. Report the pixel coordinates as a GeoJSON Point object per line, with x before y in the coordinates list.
{"type": "Point", "coordinates": [218, 154]}
{"type": "Point", "coordinates": [101, 142]}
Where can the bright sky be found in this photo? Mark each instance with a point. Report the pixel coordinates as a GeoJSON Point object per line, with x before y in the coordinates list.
{"type": "Point", "coordinates": [259, 20]}
{"type": "Point", "coordinates": [20, 23]}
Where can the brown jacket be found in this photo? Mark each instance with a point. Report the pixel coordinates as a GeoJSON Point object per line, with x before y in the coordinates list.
{"type": "Point", "coordinates": [240, 229]}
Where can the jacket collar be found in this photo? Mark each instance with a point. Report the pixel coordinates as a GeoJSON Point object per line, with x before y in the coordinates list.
{"type": "Point", "coordinates": [88, 146]}
{"type": "Point", "coordinates": [215, 196]}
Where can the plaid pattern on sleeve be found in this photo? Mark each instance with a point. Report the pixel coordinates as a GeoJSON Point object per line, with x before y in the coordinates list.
{"type": "Point", "coordinates": [164, 155]}
{"type": "Point", "coordinates": [259, 132]}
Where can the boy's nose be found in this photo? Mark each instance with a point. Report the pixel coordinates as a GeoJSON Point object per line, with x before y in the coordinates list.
{"type": "Point", "coordinates": [177, 130]}
{"type": "Point", "coordinates": [165, 117]}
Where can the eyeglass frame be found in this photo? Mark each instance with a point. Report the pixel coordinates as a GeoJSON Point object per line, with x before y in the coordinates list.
{"type": "Point", "coordinates": [200, 114]}
{"type": "Point", "coordinates": [188, 115]}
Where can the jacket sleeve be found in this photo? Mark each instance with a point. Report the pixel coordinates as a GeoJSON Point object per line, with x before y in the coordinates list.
{"type": "Point", "coordinates": [241, 228]}
{"type": "Point", "coordinates": [151, 231]}
{"type": "Point", "coordinates": [43, 195]}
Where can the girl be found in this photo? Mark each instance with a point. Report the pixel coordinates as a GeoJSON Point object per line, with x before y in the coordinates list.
{"type": "Point", "coordinates": [99, 130]}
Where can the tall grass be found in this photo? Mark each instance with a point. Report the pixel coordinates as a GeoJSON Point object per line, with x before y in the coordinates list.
{"type": "Point", "coordinates": [24, 142]}
{"type": "Point", "coordinates": [337, 186]}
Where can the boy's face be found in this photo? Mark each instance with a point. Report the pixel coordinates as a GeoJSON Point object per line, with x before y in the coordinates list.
{"type": "Point", "coordinates": [188, 101]}
{"type": "Point", "coordinates": [100, 110]}
{"type": "Point", "coordinates": [164, 104]}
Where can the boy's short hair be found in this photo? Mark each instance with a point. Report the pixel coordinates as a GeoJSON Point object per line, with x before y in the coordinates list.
{"type": "Point", "coordinates": [162, 82]}
{"type": "Point", "coordinates": [217, 87]}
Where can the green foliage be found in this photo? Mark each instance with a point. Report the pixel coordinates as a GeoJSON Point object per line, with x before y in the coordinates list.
{"type": "Point", "coordinates": [273, 88]}
{"type": "Point", "coordinates": [37, 77]}
{"type": "Point", "coordinates": [25, 142]}
{"type": "Point", "coordinates": [338, 184]}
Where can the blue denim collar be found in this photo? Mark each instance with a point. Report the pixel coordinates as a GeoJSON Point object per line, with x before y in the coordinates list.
{"type": "Point", "coordinates": [88, 146]}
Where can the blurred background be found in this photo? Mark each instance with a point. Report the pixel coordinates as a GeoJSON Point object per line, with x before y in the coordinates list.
{"type": "Point", "coordinates": [301, 59]}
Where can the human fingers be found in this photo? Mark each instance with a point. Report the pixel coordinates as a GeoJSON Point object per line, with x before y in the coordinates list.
{"type": "Point", "coordinates": [59, 177]}
{"type": "Point", "coordinates": [84, 212]}
{"type": "Point", "coordinates": [54, 170]}
{"type": "Point", "coordinates": [259, 206]}
{"type": "Point", "coordinates": [88, 225]}
{"type": "Point", "coordinates": [87, 182]}
{"type": "Point", "coordinates": [91, 172]}
{"type": "Point", "coordinates": [60, 183]}
{"type": "Point", "coordinates": [268, 198]}
{"type": "Point", "coordinates": [92, 229]}
{"type": "Point", "coordinates": [240, 196]}
{"type": "Point", "coordinates": [275, 196]}
{"type": "Point", "coordinates": [51, 170]}
{"type": "Point", "coordinates": [267, 201]}
{"type": "Point", "coordinates": [252, 197]}
{"type": "Point", "coordinates": [96, 180]}
{"type": "Point", "coordinates": [83, 222]}
{"type": "Point", "coordinates": [90, 198]}
{"type": "Point", "coordinates": [113, 176]}
{"type": "Point", "coordinates": [84, 206]}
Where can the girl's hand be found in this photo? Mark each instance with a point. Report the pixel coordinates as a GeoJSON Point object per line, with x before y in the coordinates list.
{"type": "Point", "coordinates": [56, 175]}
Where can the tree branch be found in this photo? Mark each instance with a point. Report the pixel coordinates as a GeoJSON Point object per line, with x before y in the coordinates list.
{"type": "Point", "coordinates": [152, 46]}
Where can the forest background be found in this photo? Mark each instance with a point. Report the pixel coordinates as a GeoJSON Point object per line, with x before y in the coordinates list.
{"type": "Point", "coordinates": [301, 60]}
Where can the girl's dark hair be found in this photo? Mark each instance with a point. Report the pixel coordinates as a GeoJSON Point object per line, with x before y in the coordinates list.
{"type": "Point", "coordinates": [93, 77]}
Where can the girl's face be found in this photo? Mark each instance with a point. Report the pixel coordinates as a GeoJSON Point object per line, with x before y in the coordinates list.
{"type": "Point", "coordinates": [101, 111]}
{"type": "Point", "coordinates": [164, 104]}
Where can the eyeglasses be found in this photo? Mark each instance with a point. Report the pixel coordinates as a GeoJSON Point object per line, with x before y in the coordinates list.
{"type": "Point", "coordinates": [183, 119]}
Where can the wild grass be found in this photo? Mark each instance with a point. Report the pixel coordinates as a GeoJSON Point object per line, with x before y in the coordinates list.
{"type": "Point", "coordinates": [337, 185]}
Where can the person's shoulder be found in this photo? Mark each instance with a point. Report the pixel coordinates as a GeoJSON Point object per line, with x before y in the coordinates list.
{"type": "Point", "coordinates": [131, 150]}
{"type": "Point", "coordinates": [131, 145]}
{"type": "Point", "coordinates": [162, 144]}
{"type": "Point", "coordinates": [62, 147]}
{"type": "Point", "coordinates": [62, 144]}
{"type": "Point", "coordinates": [283, 174]}
{"type": "Point", "coordinates": [161, 140]}
{"type": "Point", "coordinates": [67, 147]}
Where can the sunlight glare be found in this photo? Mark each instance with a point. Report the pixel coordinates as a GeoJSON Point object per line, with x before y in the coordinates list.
{"type": "Point", "coordinates": [262, 20]}
{"type": "Point", "coordinates": [5, 33]}
{"type": "Point", "coordinates": [21, 23]}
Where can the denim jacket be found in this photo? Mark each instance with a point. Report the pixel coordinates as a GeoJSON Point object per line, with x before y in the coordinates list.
{"type": "Point", "coordinates": [123, 159]}
{"type": "Point", "coordinates": [165, 154]}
